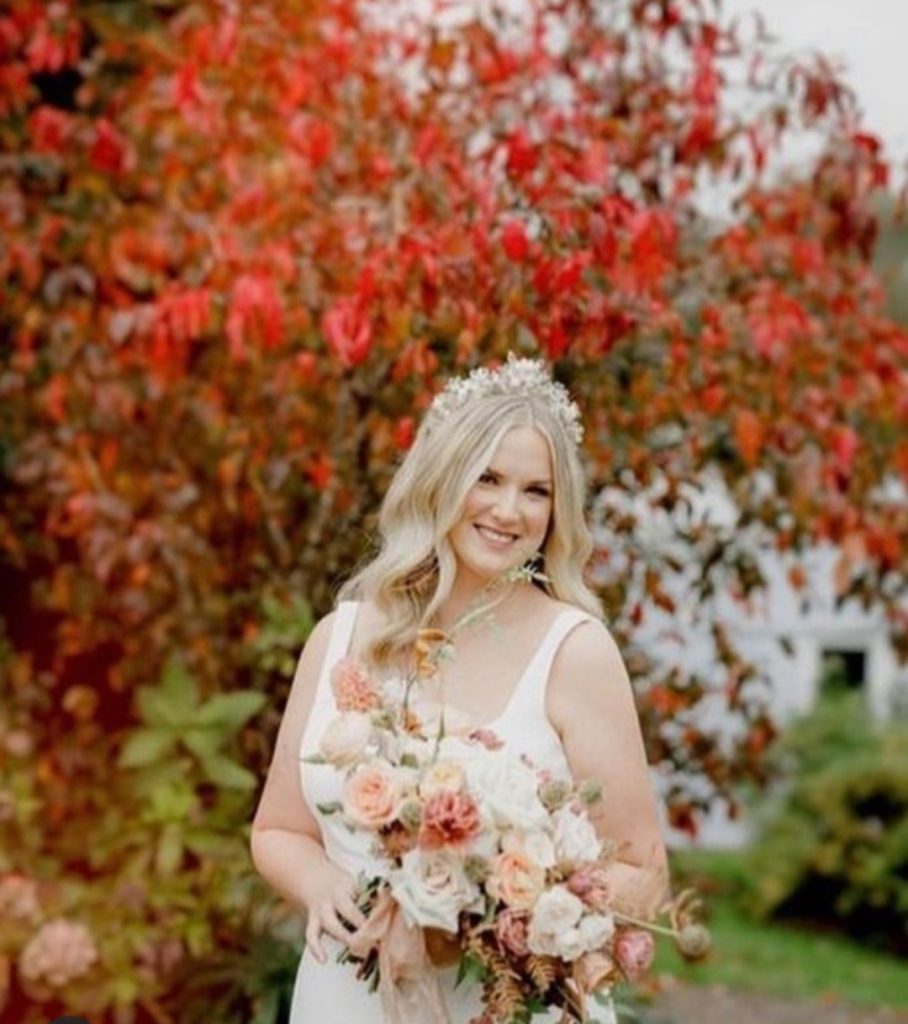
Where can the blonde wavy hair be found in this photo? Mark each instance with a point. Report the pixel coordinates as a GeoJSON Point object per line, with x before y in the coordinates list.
{"type": "Point", "coordinates": [413, 573]}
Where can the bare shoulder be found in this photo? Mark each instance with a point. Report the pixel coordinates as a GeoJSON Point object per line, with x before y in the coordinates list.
{"type": "Point", "coordinates": [588, 672]}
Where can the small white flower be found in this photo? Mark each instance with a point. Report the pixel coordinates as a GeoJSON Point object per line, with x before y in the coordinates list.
{"type": "Point", "coordinates": [555, 913]}
{"type": "Point", "coordinates": [595, 930]}
{"type": "Point", "coordinates": [575, 837]}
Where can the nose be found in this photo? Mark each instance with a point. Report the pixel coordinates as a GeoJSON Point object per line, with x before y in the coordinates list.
{"type": "Point", "coordinates": [506, 504]}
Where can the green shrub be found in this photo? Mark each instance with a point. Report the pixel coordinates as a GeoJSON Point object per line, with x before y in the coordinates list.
{"type": "Point", "coordinates": [834, 849]}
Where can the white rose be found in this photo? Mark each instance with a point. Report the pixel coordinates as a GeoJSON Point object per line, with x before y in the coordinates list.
{"type": "Point", "coordinates": [506, 790]}
{"type": "Point", "coordinates": [569, 944]}
{"type": "Point", "coordinates": [595, 930]}
{"type": "Point", "coordinates": [575, 837]}
{"type": "Point", "coordinates": [432, 889]}
{"type": "Point", "coordinates": [535, 846]}
{"type": "Point", "coordinates": [555, 913]}
{"type": "Point", "coordinates": [346, 737]}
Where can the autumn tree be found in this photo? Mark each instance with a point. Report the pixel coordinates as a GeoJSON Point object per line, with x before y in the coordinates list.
{"type": "Point", "coordinates": [242, 244]}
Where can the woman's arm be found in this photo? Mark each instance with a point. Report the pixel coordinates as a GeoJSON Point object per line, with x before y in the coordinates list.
{"type": "Point", "coordinates": [591, 704]}
{"type": "Point", "coordinates": [286, 843]}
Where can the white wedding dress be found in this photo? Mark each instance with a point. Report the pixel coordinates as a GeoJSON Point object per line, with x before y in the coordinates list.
{"type": "Point", "coordinates": [330, 993]}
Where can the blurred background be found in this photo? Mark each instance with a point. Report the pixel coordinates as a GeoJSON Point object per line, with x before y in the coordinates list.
{"type": "Point", "coordinates": [242, 245]}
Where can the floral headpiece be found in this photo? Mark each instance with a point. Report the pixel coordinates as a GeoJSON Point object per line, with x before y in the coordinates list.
{"type": "Point", "coordinates": [516, 377]}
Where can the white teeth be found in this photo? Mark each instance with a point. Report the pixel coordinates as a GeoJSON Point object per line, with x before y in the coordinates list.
{"type": "Point", "coordinates": [495, 535]}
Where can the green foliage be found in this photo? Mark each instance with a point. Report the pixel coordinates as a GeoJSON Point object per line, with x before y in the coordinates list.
{"type": "Point", "coordinates": [785, 959]}
{"type": "Point", "coordinates": [834, 850]}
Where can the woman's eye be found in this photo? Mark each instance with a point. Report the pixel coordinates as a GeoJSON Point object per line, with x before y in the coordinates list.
{"type": "Point", "coordinates": [542, 491]}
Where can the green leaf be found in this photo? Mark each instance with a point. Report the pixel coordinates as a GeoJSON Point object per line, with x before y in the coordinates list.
{"type": "Point", "coordinates": [226, 773]}
{"type": "Point", "coordinates": [157, 709]}
{"type": "Point", "coordinates": [231, 710]}
{"type": "Point", "coordinates": [178, 686]}
{"type": "Point", "coordinates": [169, 854]}
{"type": "Point", "coordinates": [204, 743]}
{"type": "Point", "coordinates": [330, 808]}
{"type": "Point", "coordinates": [145, 746]}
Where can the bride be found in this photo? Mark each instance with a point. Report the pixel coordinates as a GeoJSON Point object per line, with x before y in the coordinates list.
{"type": "Point", "coordinates": [492, 482]}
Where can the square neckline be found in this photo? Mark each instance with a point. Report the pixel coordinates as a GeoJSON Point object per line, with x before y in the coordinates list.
{"type": "Point", "coordinates": [515, 690]}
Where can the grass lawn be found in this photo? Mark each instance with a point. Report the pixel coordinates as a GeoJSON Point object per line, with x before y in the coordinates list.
{"type": "Point", "coordinates": [777, 959]}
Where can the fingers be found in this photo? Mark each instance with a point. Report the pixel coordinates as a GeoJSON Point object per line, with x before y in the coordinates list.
{"type": "Point", "coordinates": [332, 926]}
{"type": "Point", "coordinates": [348, 908]}
{"type": "Point", "coordinates": [313, 943]}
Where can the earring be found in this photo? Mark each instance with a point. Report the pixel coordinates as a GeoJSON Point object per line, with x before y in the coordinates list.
{"type": "Point", "coordinates": [535, 563]}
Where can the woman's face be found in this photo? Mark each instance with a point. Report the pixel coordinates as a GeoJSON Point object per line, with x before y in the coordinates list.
{"type": "Point", "coordinates": [507, 511]}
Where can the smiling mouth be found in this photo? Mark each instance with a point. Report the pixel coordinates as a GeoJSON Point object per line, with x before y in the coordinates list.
{"type": "Point", "coordinates": [495, 536]}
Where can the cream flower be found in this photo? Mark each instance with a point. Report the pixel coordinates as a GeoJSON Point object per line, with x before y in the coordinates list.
{"type": "Point", "coordinates": [575, 838]}
{"type": "Point", "coordinates": [346, 738]}
{"type": "Point", "coordinates": [555, 913]}
{"type": "Point", "coordinates": [432, 889]}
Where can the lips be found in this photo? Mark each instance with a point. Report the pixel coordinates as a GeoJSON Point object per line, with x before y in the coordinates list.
{"type": "Point", "coordinates": [496, 538]}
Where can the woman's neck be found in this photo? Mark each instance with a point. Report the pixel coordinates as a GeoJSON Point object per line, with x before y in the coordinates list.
{"type": "Point", "coordinates": [506, 598]}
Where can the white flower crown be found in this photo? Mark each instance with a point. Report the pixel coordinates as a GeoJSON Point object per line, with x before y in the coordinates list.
{"type": "Point", "coordinates": [516, 377]}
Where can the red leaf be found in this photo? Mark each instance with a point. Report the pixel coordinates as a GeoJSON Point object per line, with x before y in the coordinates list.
{"type": "Point", "coordinates": [108, 151]}
{"type": "Point", "coordinates": [749, 433]}
{"type": "Point", "coordinates": [515, 241]}
{"type": "Point", "coordinates": [348, 331]}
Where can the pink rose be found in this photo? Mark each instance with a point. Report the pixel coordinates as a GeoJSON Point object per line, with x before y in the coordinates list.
{"type": "Point", "coordinates": [516, 880]}
{"type": "Point", "coordinates": [590, 883]}
{"type": "Point", "coordinates": [634, 949]}
{"type": "Point", "coordinates": [511, 928]}
{"type": "Point", "coordinates": [353, 689]}
{"type": "Point", "coordinates": [372, 795]}
{"type": "Point", "coordinates": [448, 819]}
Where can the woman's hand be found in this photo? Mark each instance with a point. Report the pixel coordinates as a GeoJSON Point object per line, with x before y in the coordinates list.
{"type": "Point", "coordinates": [330, 900]}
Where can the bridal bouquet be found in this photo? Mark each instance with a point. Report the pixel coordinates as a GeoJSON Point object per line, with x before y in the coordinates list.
{"type": "Point", "coordinates": [490, 863]}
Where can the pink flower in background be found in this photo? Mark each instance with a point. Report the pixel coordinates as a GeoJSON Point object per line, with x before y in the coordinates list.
{"type": "Point", "coordinates": [448, 819]}
{"type": "Point", "coordinates": [19, 898]}
{"type": "Point", "coordinates": [634, 951]}
{"type": "Point", "coordinates": [353, 689]}
{"type": "Point", "coordinates": [58, 953]}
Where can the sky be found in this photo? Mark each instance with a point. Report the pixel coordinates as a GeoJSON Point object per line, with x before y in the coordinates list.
{"type": "Point", "coordinates": [868, 35]}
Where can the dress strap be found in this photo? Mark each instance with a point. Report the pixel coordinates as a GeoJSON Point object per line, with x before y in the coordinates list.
{"type": "Point", "coordinates": [338, 645]}
{"type": "Point", "coordinates": [530, 698]}
{"type": "Point", "coordinates": [341, 633]}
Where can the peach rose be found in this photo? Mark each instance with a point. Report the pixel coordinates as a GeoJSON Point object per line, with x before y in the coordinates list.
{"type": "Point", "coordinates": [372, 795]}
{"type": "Point", "coordinates": [634, 950]}
{"type": "Point", "coordinates": [448, 819]}
{"type": "Point", "coordinates": [516, 880]}
{"type": "Point", "coordinates": [353, 689]}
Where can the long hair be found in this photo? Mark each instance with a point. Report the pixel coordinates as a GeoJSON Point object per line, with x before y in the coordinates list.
{"type": "Point", "coordinates": [413, 573]}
